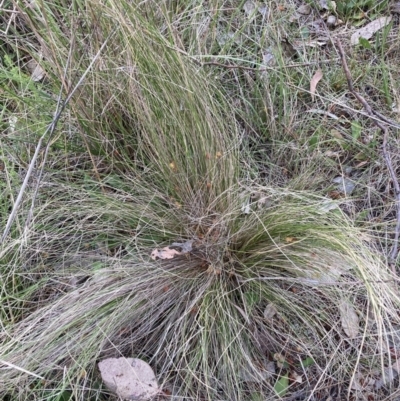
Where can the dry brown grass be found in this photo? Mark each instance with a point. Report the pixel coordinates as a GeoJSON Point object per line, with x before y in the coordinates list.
{"type": "Point", "coordinates": [156, 149]}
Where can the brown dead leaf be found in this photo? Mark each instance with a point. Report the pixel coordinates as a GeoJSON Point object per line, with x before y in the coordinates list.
{"type": "Point", "coordinates": [349, 319]}
{"type": "Point", "coordinates": [270, 311]}
{"type": "Point", "coordinates": [336, 134]}
{"type": "Point", "coordinates": [288, 48]}
{"type": "Point", "coordinates": [368, 30]}
{"type": "Point", "coordinates": [314, 81]}
{"type": "Point", "coordinates": [36, 70]}
{"type": "Point", "coordinates": [164, 253]}
{"type": "Point", "coordinates": [279, 358]}
{"type": "Point", "coordinates": [335, 194]}
{"type": "Point", "coordinates": [213, 271]}
{"type": "Point", "coordinates": [296, 377]}
{"type": "Point", "coordinates": [330, 153]}
{"type": "Point", "coordinates": [304, 9]}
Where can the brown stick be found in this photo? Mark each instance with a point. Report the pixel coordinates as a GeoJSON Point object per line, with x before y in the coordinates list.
{"type": "Point", "coordinates": [380, 121]}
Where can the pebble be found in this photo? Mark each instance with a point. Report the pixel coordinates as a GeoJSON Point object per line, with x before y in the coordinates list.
{"type": "Point", "coordinates": [305, 9]}
{"type": "Point", "coordinates": [331, 21]}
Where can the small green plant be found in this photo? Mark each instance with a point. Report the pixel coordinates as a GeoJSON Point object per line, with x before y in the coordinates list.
{"type": "Point", "coordinates": [358, 10]}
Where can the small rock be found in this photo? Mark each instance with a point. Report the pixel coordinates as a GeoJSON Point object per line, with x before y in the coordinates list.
{"type": "Point", "coordinates": [331, 21]}
{"type": "Point", "coordinates": [129, 378]}
{"type": "Point", "coordinates": [305, 9]}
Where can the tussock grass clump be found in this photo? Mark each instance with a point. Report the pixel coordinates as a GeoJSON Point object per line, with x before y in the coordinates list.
{"type": "Point", "coordinates": [148, 156]}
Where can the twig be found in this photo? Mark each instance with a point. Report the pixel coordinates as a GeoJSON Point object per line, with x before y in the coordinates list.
{"type": "Point", "coordinates": [58, 107]}
{"type": "Point", "coordinates": [11, 365]}
{"type": "Point", "coordinates": [387, 120]}
{"type": "Point", "coordinates": [49, 130]}
{"type": "Point", "coordinates": [380, 121]}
